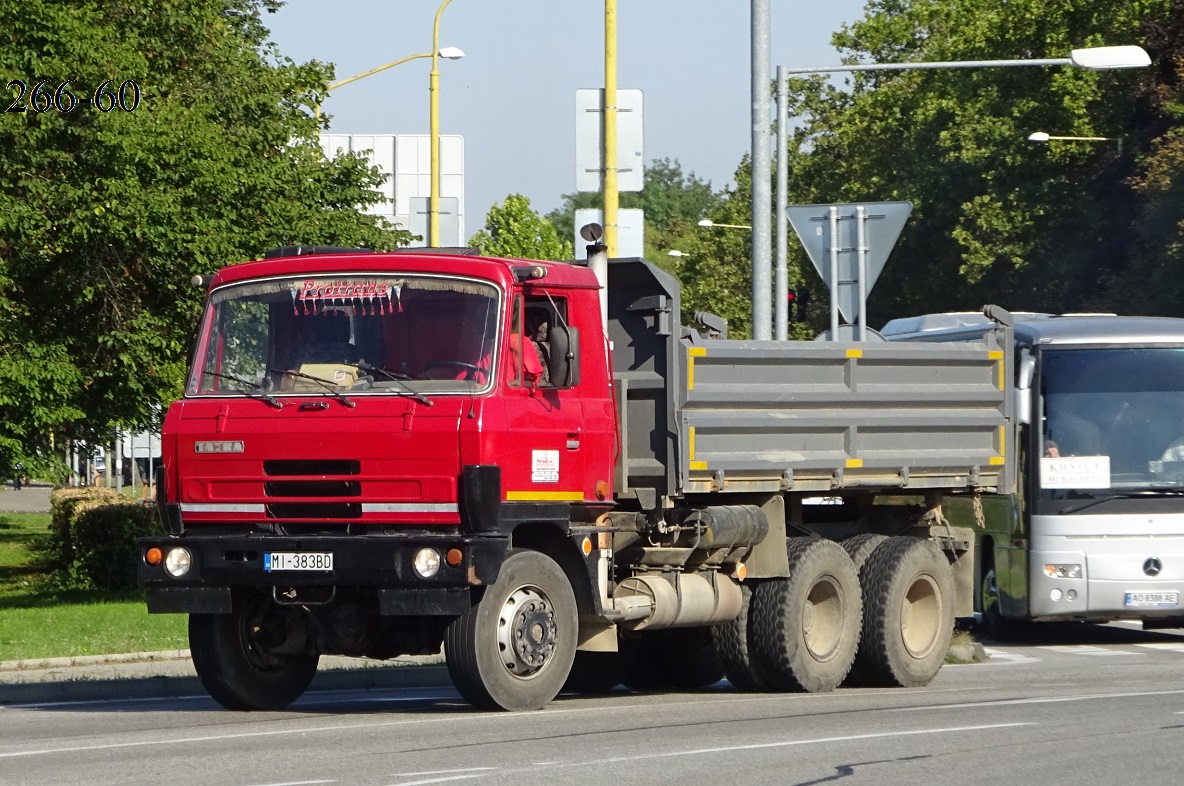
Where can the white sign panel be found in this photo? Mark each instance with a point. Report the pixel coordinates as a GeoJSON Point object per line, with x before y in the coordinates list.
{"type": "Point", "coordinates": [1075, 472]}
{"type": "Point", "coordinates": [630, 231]}
{"type": "Point", "coordinates": [406, 160]}
{"type": "Point", "coordinates": [544, 466]}
{"type": "Point", "coordinates": [590, 140]}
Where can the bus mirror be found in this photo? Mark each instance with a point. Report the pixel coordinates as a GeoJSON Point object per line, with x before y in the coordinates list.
{"type": "Point", "coordinates": [1023, 387]}
{"type": "Point", "coordinates": [1027, 370]}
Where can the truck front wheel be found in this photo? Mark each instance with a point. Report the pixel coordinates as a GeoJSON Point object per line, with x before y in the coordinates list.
{"type": "Point", "coordinates": [805, 629]}
{"type": "Point", "coordinates": [257, 657]}
{"type": "Point", "coordinates": [908, 616]}
{"type": "Point", "coordinates": [514, 649]}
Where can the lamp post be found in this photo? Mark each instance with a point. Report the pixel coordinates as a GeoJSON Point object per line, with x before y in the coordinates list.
{"type": "Point", "coordinates": [1041, 136]}
{"type": "Point", "coordinates": [1103, 58]}
{"type": "Point", "coordinates": [448, 52]}
{"type": "Point", "coordinates": [707, 222]}
{"type": "Point", "coordinates": [434, 133]}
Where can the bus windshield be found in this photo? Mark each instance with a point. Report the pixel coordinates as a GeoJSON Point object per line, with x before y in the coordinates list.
{"type": "Point", "coordinates": [364, 333]}
{"type": "Point", "coordinates": [1113, 421]}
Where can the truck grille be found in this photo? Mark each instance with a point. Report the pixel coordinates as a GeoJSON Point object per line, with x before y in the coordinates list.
{"type": "Point", "coordinates": [313, 467]}
{"type": "Point", "coordinates": [313, 486]}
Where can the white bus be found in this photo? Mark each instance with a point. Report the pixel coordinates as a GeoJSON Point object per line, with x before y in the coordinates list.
{"type": "Point", "coordinates": [1095, 530]}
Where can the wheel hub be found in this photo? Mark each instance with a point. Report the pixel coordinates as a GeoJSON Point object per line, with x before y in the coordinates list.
{"type": "Point", "coordinates": [526, 634]}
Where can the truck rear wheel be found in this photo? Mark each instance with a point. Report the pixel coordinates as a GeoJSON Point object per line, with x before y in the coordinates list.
{"type": "Point", "coordinates": [805, 629]}
{"type": "Point", "coordinates": [908, 615]}
{"type": "Point", "coordinates": [514, 649]}
{"type": "Point", "coordinates": [254, 658]}
{"type": "Point", "coordinates": [734, 651]}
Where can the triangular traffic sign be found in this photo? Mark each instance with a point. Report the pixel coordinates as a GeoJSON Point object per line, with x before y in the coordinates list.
{"type": "Point", "coordinates": [882, 223]}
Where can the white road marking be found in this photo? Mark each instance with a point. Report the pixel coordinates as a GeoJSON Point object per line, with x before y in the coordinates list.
{"type": "Point", "coordinates": [751, 747]}
{"type": "Point", "coordinates": [1037, 700]}
{"type": "Point", "coordinates": [1085, 649]}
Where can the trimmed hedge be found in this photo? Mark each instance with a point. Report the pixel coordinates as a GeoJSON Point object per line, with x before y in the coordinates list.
{"type": "Point", "coordinates": [92, 542]}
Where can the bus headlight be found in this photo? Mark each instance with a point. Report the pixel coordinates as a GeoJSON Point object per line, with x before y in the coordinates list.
{"type": "Point", "coordinates": [426, 563]}
{"type": "Point", "coordinates": [178, 561]}
{"type": "Point", "coordinates": [1063, 571]}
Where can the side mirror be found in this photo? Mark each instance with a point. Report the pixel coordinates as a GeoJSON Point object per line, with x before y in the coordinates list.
{"type": "Point", "coordinates": [565, 356]}
{"type": "Point", "coordinates": [1023, 387]}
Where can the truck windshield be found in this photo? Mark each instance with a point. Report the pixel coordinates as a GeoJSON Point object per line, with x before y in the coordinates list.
{"type": "Point", "coordinates": [1113, 421]}
{"type": "Point", "coordinates": [361, 334]}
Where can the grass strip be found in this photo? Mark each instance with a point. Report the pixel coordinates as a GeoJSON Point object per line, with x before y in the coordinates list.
{"type": "Point", "coordinates": [37, 621]}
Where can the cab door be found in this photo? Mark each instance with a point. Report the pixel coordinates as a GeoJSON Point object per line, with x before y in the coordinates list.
{"type": "Point", "coordinates": [545, 450]}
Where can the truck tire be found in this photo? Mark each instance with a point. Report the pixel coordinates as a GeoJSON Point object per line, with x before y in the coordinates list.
{"type": "Point", "coordinates": [679, 658]}
{"type": "Point", "coordinates": [597, 672]}
{"type": "Point", "coordinates": [733, 650]}
{"type": "Point", "coordinates": [514, 649]}
{"type": "Point", "coordinates": [236, 655]}
{"type": "Point", "coordinates": [805, 629]}
{"type": "Point", "coordinates": [859, 547]}
{"type": "Point", "coordinates": [908, 614]}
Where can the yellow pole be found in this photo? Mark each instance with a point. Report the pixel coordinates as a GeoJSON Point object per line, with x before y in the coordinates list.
{"type": "Point", "coordinates": [434, 138]}
{"type": "Point", "coordinates": [611, 195]}
{"type": "Point", "coordinates": [371, 72]}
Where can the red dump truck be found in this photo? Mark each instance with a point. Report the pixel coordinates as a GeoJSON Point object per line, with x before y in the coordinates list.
{"type": "Point", "coordinates": [388, 453]}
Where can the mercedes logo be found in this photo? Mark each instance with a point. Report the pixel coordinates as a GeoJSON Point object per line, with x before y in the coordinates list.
{"type": "Point", "coordinates": [1152, 566]}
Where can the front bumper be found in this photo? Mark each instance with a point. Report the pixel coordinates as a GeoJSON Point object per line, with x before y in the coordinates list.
{"type": "Point", "coordinates": [380, 562]}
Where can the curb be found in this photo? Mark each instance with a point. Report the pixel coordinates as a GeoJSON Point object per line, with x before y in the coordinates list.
{"type": "Point", "coordinates": [161, 687]}
{"type": "Point", "coordinates": [158, 675]}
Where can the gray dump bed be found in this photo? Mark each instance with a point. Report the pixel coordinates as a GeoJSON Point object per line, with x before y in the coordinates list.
{"type": "Point", "coordinates": [702, 415]}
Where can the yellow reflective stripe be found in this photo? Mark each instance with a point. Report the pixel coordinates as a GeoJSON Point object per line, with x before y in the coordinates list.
{"type": "Point", "coordinates": [854, 353]}
{"type": "Point", "coordinates": [698, 465]}
{"type": "Point", "coordinates": [544, 496]}
{"type": "Point", "coordinates": [854, 463]}
{"type": "Point", "coordinates": [692, 353]}
{"type": "Point", "coordinates": [997, 356]}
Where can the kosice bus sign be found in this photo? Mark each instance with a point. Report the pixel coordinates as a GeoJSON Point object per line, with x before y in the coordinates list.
{"type": "Point", "coordinates": [849, 245]}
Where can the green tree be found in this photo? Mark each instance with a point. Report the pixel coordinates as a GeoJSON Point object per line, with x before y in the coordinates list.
{"type": "Point", "coordinates": [513, 229]}
{"type": "Point", "coordinates": [672, 201]}
{"type": "Point", "coordinates": [106, 215]}
{"type": "Point", "coordinates": [995, 218]}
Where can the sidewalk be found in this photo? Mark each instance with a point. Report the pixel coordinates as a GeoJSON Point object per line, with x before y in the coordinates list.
{"type": "Point", "coordinates": [33, 498]}
{"type": "Point", "coordinates": [170, 674]}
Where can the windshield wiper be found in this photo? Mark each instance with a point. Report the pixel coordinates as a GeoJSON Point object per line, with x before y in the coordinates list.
{"type": "Point", "coordinates": [325, 383]}
{"type": "Point", "coordinates": [415, 394]}
{"type": "Point", "coordinates": [1140, 494]}
{"type": "Point", "coordinates": [256, 389]}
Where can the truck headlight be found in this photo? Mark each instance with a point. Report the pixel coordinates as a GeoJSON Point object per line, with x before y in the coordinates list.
{"type": "Point", "coordinates": [178, 561]}
{"type": "Point", "coordinates": [1063, 571]}
{"type": "Point", "coordinates": [426, 563]}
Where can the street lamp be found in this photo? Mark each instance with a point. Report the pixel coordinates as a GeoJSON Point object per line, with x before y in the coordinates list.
{"type": "Point", "coordinates": [434, 131]}
{"type": "Point", "coordinates": [707, 222]}
{"type": "Point", "coordinates": [448, 52]}
{"type": "Point", "coordinates": [1042, 136]}
{"type": "Point", "coordinates": [1102, 58]}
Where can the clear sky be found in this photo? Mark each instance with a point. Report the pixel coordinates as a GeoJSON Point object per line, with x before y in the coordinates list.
{"type": "Point", "coordinates": [512, 97]}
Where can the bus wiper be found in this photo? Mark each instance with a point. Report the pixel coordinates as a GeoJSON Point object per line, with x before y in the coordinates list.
{"type": "Point", "coordinates": [255, 389]}
{"type": "Point", "coordinates": [415, 394]}
{"type": "Point", "coordinates": [1139, 494]}
{"type": "Point", "coordinates": [324, 383]}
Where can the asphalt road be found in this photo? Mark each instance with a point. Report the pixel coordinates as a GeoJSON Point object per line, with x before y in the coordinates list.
{"type": "Point", "coordinates": [1074, 706]}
